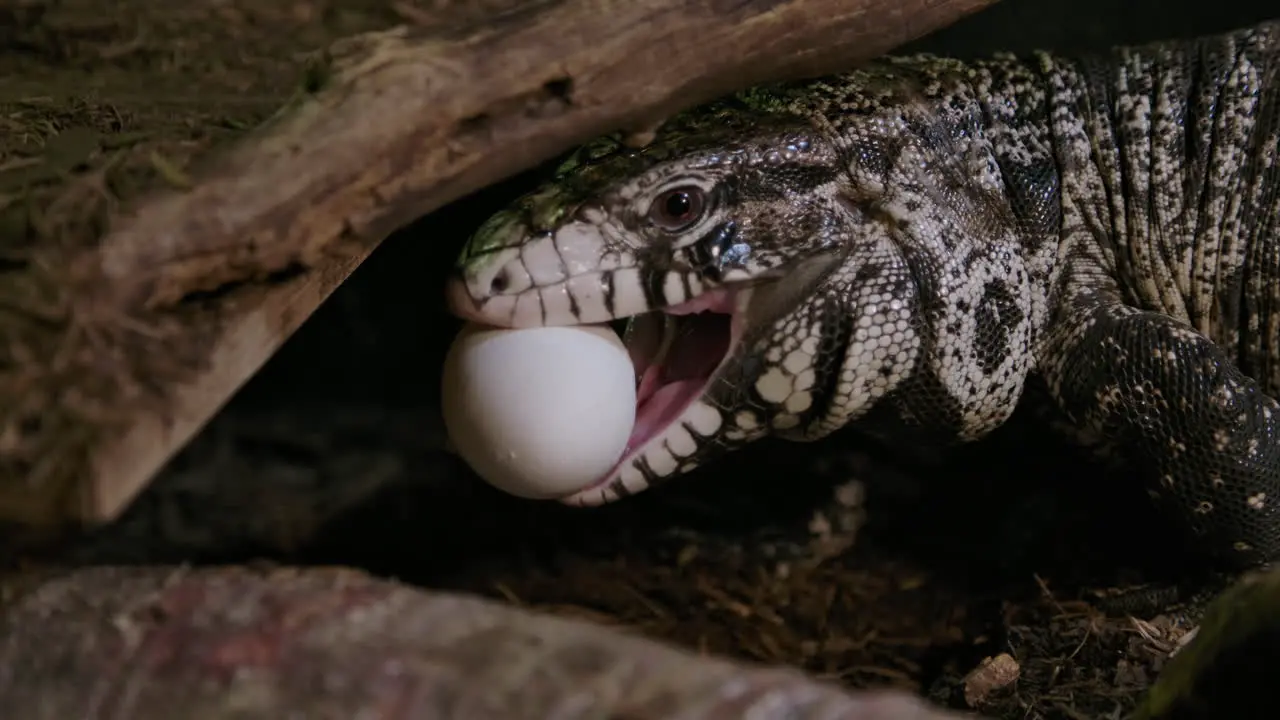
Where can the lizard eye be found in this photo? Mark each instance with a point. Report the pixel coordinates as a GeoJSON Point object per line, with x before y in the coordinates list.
{"type": "Point", "coordinates": [678, 208]}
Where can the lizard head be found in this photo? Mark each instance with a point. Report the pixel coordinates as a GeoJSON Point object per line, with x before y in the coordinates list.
{"type": "Point", "coordinates": [776, 276]}
{"type": "Point", "coordinates": [674, 239]}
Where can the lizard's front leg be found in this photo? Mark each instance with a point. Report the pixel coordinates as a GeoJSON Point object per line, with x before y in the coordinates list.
{"type": "Point", "coordinates": [1201, 433]}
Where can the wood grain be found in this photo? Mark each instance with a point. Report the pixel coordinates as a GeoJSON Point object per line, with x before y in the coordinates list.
{"type": "Point", "coordinates": [155, 644]}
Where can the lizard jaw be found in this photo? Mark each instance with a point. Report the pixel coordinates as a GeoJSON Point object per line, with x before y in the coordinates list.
{"type": "Point", "coordinates": [678, 352]}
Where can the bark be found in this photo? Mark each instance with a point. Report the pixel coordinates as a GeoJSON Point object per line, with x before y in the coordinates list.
{"type": "Point", "coordinates": [129, 342]}
{"type": "Point", "coordinates": [154, 644]}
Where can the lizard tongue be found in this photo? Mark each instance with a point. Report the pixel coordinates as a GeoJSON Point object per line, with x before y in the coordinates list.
{"type": "Point", "coordinates": [660, 409]}
{"type": "Point", "coordinates": [668, 385]}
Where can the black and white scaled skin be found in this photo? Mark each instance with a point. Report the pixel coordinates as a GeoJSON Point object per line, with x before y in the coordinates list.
{"type": "Point", "coordinates": [908, 248]}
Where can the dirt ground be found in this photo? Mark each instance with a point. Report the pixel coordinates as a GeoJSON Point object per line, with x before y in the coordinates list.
{"type": "Point", "coordinates": [837, 558]}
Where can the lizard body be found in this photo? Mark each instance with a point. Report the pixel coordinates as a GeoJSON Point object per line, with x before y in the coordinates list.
{"type": "Point", "coordinates": [914, 247]}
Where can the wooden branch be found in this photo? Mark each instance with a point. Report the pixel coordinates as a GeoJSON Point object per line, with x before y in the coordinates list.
{"type": "Point", "coordinates": [326, 643]}
{"type": "Point", "coordinates": [400, 123]}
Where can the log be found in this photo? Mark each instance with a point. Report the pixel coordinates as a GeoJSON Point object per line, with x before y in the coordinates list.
{"type": "Point", "coordinates": [126, 327]}
{"type": "Point", "coordinates": [160, 643]}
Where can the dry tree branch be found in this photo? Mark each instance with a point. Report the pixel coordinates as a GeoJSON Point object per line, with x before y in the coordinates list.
{"type": "Point", "coordinates": [154, 644]}
{"type": "Point", "coordinates": [412, 118]}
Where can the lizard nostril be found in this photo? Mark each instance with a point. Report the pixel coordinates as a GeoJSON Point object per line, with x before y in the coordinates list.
{"type": "Point", "coordinates": [500, 282]}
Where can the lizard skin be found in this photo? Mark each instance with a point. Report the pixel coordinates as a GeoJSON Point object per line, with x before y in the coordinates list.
{"type": "Point", "coordinates": [912, 248]}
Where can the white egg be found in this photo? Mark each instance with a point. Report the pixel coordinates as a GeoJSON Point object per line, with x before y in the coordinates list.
{"type": "Point", "coordinates": [539, 412]}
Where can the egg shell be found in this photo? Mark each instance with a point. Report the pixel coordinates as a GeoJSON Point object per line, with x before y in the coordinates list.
{"type": "Point", "coordinates": [539, 412]}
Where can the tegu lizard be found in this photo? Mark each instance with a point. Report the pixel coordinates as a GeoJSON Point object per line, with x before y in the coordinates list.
{"type": "Point", "coordinates": [911, 248]}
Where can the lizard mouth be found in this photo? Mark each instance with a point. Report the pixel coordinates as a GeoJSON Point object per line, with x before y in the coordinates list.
{"type": "Point", "coordinates": [677, 352]}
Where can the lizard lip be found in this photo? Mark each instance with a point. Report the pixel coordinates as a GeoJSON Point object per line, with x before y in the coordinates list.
{"type": "Point", "coordinates": [677, 352]}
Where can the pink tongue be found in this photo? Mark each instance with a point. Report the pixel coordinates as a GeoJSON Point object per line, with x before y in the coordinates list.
{"type": "Point", "coordinates": [661, 407]}
{"type": "Point", "coordinates": [666, 388]}
{"type": "Point", "coordinates": [697, 349]}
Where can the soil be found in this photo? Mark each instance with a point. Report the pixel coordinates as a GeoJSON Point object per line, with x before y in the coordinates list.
{"type": "Point", "coordinates": [994, 577]}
